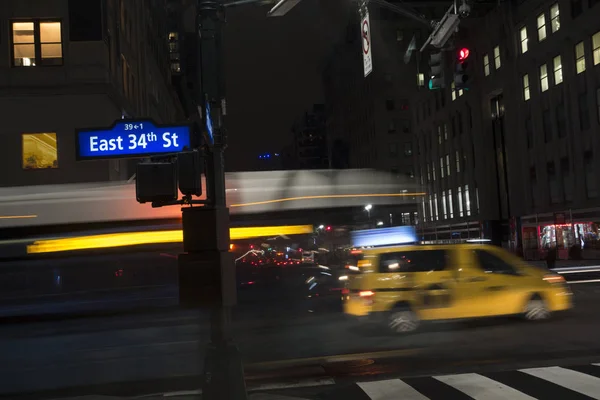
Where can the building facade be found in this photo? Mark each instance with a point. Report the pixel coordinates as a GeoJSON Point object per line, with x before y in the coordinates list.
{"type": "Point", "coordinates": [310, 139]}
{"type": "Point", "coordinates": [77, 64]}
{"type": "Point", "coordinates": [516, 157]}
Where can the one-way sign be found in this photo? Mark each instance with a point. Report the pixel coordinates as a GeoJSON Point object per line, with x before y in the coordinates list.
{"type": "Point", "coordinates": [365, 30]}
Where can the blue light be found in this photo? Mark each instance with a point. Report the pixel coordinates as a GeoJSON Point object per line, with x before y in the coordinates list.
{"type": "Point", "coordinates": [130, 139]}
{"type": "Point", "coordinates": [384, 237]}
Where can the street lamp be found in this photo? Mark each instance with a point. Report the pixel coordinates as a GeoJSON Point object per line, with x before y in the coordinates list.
{"type": "Point", "coordinates": [368, 208]}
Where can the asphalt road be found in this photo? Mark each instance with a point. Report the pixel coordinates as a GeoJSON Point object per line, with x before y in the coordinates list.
{"type": "Point", "coordinates": [164, 350]}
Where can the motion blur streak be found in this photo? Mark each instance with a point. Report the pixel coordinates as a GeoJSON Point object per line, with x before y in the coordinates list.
{"type": "Point", "coordinates": [327, 196]}
{"type": "Point", "coordinates": [153, 237]}
{"type": "Point", "coordinates": [17, 216]}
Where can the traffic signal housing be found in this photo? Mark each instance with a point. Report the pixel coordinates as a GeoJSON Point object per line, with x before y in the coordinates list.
{"type": "Point", "coordinates": [436, 71]}
{"type": "Point", "coordinates": [461, 69]}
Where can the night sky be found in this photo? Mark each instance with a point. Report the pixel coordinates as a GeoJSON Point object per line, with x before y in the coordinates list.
{"type": "Point", "coordinates": [273, 68]}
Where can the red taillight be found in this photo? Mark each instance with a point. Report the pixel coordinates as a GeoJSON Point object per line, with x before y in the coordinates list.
{"type": "Point", "coordinates": [345, 291]}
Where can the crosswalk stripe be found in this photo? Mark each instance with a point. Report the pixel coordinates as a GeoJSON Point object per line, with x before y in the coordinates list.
{"type": "Point", "coordinates": [482, 388]}
{"type": "Point", "coordinates": [391, 389]}
{"type": "Point", "coordinates": [576, 381]}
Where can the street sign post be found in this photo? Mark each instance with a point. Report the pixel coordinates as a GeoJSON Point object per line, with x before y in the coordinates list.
{"type": "Point", "coordinates": [131, 139]}
{"type": "Point", "coordinates": [365, 29]}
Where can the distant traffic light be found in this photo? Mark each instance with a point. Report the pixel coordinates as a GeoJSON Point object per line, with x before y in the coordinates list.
{"type": "Point", "coordinates": [436, 71]}
{"type": "Point", "coordinates": [461, 73]}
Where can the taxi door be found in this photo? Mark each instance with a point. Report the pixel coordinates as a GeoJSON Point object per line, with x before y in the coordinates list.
{"type": "Point", "coordinates": [494, 285]}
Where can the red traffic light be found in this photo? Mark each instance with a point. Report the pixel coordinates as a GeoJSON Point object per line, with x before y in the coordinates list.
{"type": "Point", "coordinates": [463, 54]}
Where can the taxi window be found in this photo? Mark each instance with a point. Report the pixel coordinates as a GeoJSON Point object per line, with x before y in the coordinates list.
{"type": "Point", "coordinates": [493, 264]}
{"type": "Point", "coordinates": [413, 261]}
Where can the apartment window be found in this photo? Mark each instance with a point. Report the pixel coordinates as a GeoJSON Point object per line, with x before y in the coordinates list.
{"type": "Point", "coordinates": [524, 40]}
{"type": "Point", "coordinates": [526, 91]}
{"type": "Point", "coordinates": [441, 167]}
{"type": "Point", "coordinates": [450, 205]}
{"type": "Point", "coordinates": [596, 48]}
{"type": "Point", "coordinates": [393, 149]}
{"type": "Point", "coordinates": [36, 43]}
{"type": "Point", "coordinates": [85, 20]}
{"type": "Point", "coordinates": [561, 121]}
{"type": "Point", "coordinates": [457, 155]}
{"type": "Point", "coordinates": [576, 8]}
{"type": "Point", "coordinates": [580, 57]}
{"type": "Point", "coordinates": [547, 126]}
{"type": "Point", "coordinates": [555, 17]}
{"type": "Point", "coordinates": [544, 77]}
{"type": "Point", "coordinates": [453, 90]}
{"type": "Point", "coordinates": [435, 206]}
{"type": "Point", "coordinates": [529, 132]}
{"type": "Point", "coordinates": [460, 201]}
{"type": "Point", "coordinates": [444, 209]}
{"type": "Point", "coordinates": [591, 186]}
{"type": "Point", "coordinates": [541, 27]}
{"type": "Point", "coordinates": [424, 210]}
{"type": "Point", "coordinates": [430, 209]}
{"type": "Point", "coordinates": [486, 64]}
{"type": "Point", "coordinates": [428, 174]}
{"type": "Point", "coordinates": [439, 134]}
{"type": "Point", "coordinates": [459, 124]}
{"type": "Point", "coordinates": [584, 112]}
{"type": "Point", "coordinates": [408, 149]}
{"type": "Point", "coordinates": [445, 131]}
{"type": "Point", "coordinates": [389, 105]}
{"type": "Point", "coordinates": [433, 170]}
{"type": "Point", "coordinates": [567, 179]}
{"type": "Point", "coordinates": [533, 179]}
{"type": "Point", "coordinates": [598, 103]}
{"type": "Point", "coordinates": [553, 183]}
{"type": "Point", "coordinates": [392, 127]}
{"type": "Point", "coordinates": [477, 199]}
{"type": "Point", "coordinates": [40, 151]}
{"type": "Point", "coordinates": [497, 61]}
{"type": "Point", "coordinates": [467, 201]}
{"type": "Point", "coordinates": [421, 80]}
{"type": "Point", "coordinates": [448, 164]}
{"type": "Point", "coordinates": [558, 76]}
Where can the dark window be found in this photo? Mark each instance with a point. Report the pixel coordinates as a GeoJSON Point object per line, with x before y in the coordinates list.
{"type": "Point", "coordinates": [529, 132]}
{"type": "Point", "coordinates": [547, 126]}
{"type": "Point", "coordinates": [492, 264]}
{"type": "Point", "coordinates": [590, 175]}
{"type": "Point", "coordinates": [389, 105]}
{"type": "Point", "coordinates": [413, 261]}
{"type": "Point", "coordinates": [453, 125]}
{"type": "Point", "coordinates": [408, 149]}
{"type": "Point", "coordinates": [470, 116]}
{"type": "Point", "coordinates": [553, 183]}
{"type": "Point", "coordinates": [584, 112]}
{"type": "Point", "coordinates": [576, 8]}
{"type": "Point", "coordinates": [85, 20]}
{"type": "Point", "coordinates": [459, 124]}
{"type": "Point", "coordinates": [561, 121]}
{"type": "Point", "coordinates": [565, 171]}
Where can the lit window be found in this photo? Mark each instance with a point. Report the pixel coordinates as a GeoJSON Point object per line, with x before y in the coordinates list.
{"type": "Point", "coordinates": [460, 201]}
{"type": "Point", "coordinates": [558, 76]}
{"type": "Point", "coordinates": [580, 57]}
{"type": "Point", "coordinates": [443, 198]}
{"type": "Point", "coordinates": [453, 90]}
{"type": "Point", "coordinates": [526, 92]}
{"type": "Point", "coordinates": [497, 61]}
{"type": "Point", "coordinates": [544, 77]}
{"type": "Point", "coordinates": [435, 206]}
{"type": "Point", "coordinates": [554, 17]}
{"type": "Point", "coordinates": [428, 174]}
{"type": "Point", "coordinates": [36, 43]}
{"type": "Point", "coordinates": [441, 167]}
{"type": "Point", "coordinates": [596, 48]}
{"type": "Point", "coordinates": [541, 26]}
{"type": "Point", "coordinates": [457, 162]}
{"type": "Point", "coordinates": [460, 92]}
{"type": "Point", "coordinates": [430, 209]}
{"type": "Point", "coordinates": [39, 151]}
{"type": "Point", "coordinates": [421, 79]}
{"type": "Point", "coordinates": [467, 201]}
{"type": "Point", "coordinates": [445, 131]}
{"type": "Point", "coordinates": [450, 207]}
{"type": "Point", "coordinates": [448, 164]}
{"type": "Point", "coordinates": [524, 40]}
{"type": "Point", "coordinates": [486, 65]}
{"type": "Point", "coordinates": [439, 134]}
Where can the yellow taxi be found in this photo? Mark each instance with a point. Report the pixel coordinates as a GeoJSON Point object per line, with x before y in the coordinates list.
{"type": "Point", "coordinates": [405, 285]}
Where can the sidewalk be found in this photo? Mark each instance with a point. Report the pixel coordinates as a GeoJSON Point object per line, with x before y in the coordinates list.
{"type": "Point", "coordinates": [175, 396]}
{"type": "Point", "coordinates": [567, 263]}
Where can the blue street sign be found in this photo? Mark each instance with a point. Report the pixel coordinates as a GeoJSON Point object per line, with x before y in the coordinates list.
{"type": "Point", "coordinates": [130, 139]}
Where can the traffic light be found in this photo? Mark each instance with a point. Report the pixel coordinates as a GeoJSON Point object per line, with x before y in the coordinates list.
{"type": "Point", "coordinates": [436, 71]}
{"type": "Point", "coordinates": [461, 73]}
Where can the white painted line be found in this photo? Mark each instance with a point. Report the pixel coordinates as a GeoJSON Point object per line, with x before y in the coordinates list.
{"type": "Point", "coordinates": [310, 383]}
{"type": "Point", "coordinates": [266, 386]}
{"type": "Point", "coordinates": [596, 364]}
{"type": "Point", "coordinates": [482, 388]}
{"type": "Point", "coordinates": [583, 383]}
{"type": "Point", "coordinates": [563, 271]}
{"type": "Point", "coordinates": [392, 389]}
{"type": "Point", "coordinates": [588, 281]}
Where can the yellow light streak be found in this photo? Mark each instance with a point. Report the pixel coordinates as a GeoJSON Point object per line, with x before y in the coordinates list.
{"type": "Point", "coordinates": [327, 196]}
{"type": "Point", "coordinates": [153, 237]}
{"type": "Point", "coordinates": [17, 216]}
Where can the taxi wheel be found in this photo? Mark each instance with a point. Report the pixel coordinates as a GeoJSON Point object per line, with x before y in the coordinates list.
{"type": "Point", "coordinates": [403, 320]}
{"type": "Point", "coordinates": [536, 309]}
